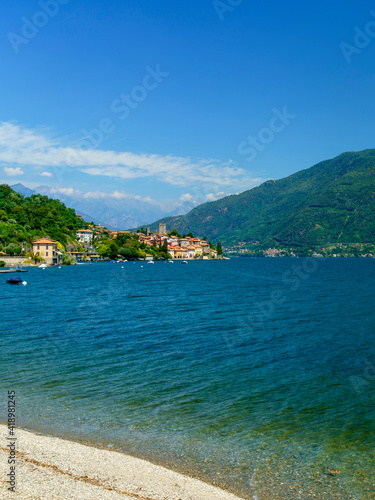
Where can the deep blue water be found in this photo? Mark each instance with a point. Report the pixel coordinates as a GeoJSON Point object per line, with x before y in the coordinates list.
{"type": "Point", "coordinates": [255, 374]}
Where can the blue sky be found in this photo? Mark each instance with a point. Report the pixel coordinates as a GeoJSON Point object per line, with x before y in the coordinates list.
{"type": "Point", "coordinates": [194, 99]}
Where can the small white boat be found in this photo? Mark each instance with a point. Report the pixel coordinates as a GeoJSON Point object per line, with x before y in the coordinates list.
{"type": "Point", "coordinates": [184, 261]}
{"type": "Point", "coordinates": [150, 262]}
{"type": "Point", "coordinates": [42, 266]}
{"type": "Point", "coordinates": [171, 261]}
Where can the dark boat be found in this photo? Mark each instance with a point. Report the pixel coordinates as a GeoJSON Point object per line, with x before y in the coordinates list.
{"type": "Point", "coordinates": [14, 281]}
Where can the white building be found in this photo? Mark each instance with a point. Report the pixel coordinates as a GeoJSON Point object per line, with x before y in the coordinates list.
{"type": "Point", "coordinates": [191, 250]}
{"type": "Point", "coordinates": [84, 236]}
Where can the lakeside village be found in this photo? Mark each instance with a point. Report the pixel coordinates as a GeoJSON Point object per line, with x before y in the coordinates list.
{"type": "Point", "coordinates": [100, 244]}
{"type": "Point", "coordinates": [253, 249]}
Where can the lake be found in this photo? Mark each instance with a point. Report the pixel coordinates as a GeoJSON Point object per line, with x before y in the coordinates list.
{"type": "Point", "coordinates": [252, 374]}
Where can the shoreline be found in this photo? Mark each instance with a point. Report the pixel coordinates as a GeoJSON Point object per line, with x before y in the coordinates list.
{"type": "Point", "coordinates": [57, 469]}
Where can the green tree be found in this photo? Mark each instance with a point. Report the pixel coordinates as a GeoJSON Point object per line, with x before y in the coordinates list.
{"type": "Point", "coordinates": [68, 259]}
{"type": "Point", "coordinates": [113, 250]}
{"type": "Point", "coordinates": [124, 238]}
{"type": "Point", "coordinates": [12, 249]}
{"type": "Point", "coordinates": [174, 232]}
{"type": "Point", "coordinates": [103, 249]}
{"type": "Point", "coordinates": [36, 257]}
{"type": "Point", "coordinates": [20, 215]}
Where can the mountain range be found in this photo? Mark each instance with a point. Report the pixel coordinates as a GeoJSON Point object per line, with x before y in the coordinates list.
{"type": "Point", "coordinates": [110, 212]}
{"type": "Point", "coordinates": [333, 201]}
{"type": "Point", "coordinates": [113, 213]}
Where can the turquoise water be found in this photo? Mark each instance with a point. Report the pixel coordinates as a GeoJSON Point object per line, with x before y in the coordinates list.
{"type": "Point", "coordinates": [254, 374]}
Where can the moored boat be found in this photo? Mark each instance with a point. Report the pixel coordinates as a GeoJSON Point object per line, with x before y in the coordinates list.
{"type": "Point", "coordinates": [14, 281]}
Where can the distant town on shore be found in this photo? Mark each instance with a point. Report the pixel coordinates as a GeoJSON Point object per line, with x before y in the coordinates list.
{"type": "Point", "coordinates": [100, 242]}
{"type": "Point", "coordinates": [38, 230]}
{"type": "Point", "coordinates": [324, 211]}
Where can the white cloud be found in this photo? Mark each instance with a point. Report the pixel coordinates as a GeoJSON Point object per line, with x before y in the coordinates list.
{"type": "Point", "coordinates": [75, 193]}
{"type": "Point", "coordinates": [214, 197]}
{"type": "Point", "coordinates": [186, 197]}
{"type": "Point", "coordinates": [98, 195]}
{"type": "Point", "coordinates": [101, 195]}
{"type": "Point", "coordinates": [21, 146]}
{"type": "Point", "coordinates": [46, 174]}
{"type": "Point", "coordinates": [118, 195]}
{"type": "Point", "coordinates": [13, 172]}
{"type": "Point", "coordinates": [147, 199]}
{"type": "Point", "coordinates": [95, 195]}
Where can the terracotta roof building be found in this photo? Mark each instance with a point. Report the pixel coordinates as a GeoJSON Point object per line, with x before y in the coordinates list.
{"type": "Point", "coordinates": [47, 249]}
{"type": "Point", "coordinates": [84, 235]}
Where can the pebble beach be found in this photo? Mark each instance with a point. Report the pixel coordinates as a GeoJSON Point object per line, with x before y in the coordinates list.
{"type": "Point", "coordinates": [56, 469]}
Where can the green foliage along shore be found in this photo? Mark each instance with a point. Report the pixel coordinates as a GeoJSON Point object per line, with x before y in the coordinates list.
{"type": "Point", "coordinates": [331, 202]}
{"type": "Point", "coordinates": [128, 246]}
{"type": "Point", "coordinates": [24, 219]}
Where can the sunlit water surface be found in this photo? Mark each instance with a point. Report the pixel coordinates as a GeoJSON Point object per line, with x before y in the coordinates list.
{"type": "Point", "coordinates": [253, 374]}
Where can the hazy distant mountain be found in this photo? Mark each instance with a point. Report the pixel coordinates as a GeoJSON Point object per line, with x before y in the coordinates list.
{"type": "Point", "coordinates": [110, 212]}
{"type": "Point", "coordinates": [21, 189]}
{"type": "Point", "coordinates": [182, 209]}
{"type": "Point", "coordinates": [333, 201]}
{"type": "Point", "coordinates": [45, 190]}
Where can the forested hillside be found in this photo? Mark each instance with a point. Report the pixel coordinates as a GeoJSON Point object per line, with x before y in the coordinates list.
{"type": "Point", "coordinates": [23, 219]}
{"type": "Point", "coordinates": [333, 201]}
